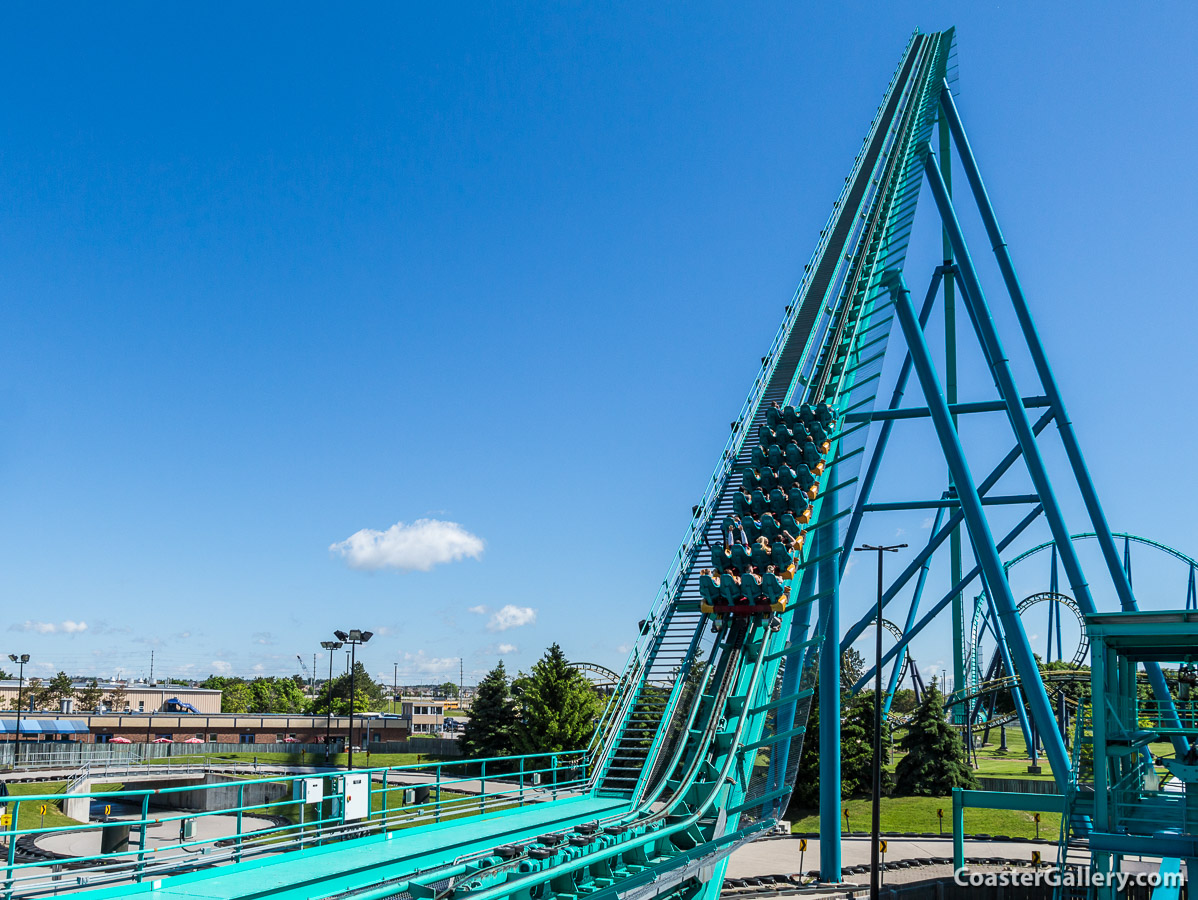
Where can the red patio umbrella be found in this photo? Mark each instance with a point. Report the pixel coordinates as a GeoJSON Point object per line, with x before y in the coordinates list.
{"type": "Point", "coordinates": [162, 741]}
{"type": "Point", "coordinates": [290, 741]}
{"type": "Point", "coordinates": [120, 740]}
{"type": "Point", "coordinates": [194, 741]}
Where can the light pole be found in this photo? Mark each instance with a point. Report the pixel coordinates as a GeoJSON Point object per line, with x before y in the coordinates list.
{"type": "Point", "coordinates": [328, 728]}
{"type": "Point", "coordinates": [394, 685]}
{"type": "Point", "coordinates": [875, 883]}
{"type": "Point", "coordinates": [20, 661]}
{"type": "Point", "coordinates": [353, 638]}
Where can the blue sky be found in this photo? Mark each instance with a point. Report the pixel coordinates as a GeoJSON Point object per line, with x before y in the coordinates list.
{"type": "Point", "coordinates": [271, 280]}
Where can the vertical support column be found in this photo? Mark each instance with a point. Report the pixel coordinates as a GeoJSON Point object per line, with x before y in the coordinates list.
{"type": "Point", "coordinates": [829, 695]}
{"type": "Point", "coordinates": [950, 394]}
{"type": "Point", "coordinates": [1099, 686]}
{"type": "Point", "coordinates": [958, 829]}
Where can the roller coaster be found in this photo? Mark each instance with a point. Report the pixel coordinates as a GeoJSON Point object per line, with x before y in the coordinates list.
{"type": "Point", "coordinates": [697, 750]}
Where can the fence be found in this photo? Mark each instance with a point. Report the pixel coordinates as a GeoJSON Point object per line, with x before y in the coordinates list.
{"type": "Point", "coordinates": [70, 755]}
{"type": "Point", "coordinates": [270, 816]}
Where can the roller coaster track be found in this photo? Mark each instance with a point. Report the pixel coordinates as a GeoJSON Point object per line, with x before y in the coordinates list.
{"type": "Point", "coordinates": [686, 761]}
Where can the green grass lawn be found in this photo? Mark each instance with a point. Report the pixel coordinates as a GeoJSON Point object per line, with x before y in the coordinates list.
{"type": "Point", "coordinates": [919, 814]}
{"type": "Point", "coordinates": [30, 814]}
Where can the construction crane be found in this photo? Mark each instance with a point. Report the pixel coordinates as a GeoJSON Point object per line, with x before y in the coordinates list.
{"type": "Point", "coordinates": [308, 674]}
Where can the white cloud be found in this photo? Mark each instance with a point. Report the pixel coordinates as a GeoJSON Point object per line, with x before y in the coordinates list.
{"type": "Point", "coordinates": [507, 649]}
{"type": "Point", "coordinates": [220, 667]}
{"type": "Point", "coordinates": [927, 523]}
{"type": "Point", "coordinates": [419, 546]}
{"type": "Point", "coordinates": [624, 649]}
{"type": "Point", "coordinates": [262, 637]}
{"type": "Point", "coordinates": [479, 610]}
{"type": "Point", "coordinates": [512, 617]}
{"type": "Point", "coordinates": [423, 664]}
{"type": "Point", "coordinates": [65, 627]}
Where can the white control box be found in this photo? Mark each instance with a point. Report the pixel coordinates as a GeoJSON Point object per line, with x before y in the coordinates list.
{"type": "Point", "coordinates": [311, 790]}
{"type": "Point", "coordinates": [357, 796]}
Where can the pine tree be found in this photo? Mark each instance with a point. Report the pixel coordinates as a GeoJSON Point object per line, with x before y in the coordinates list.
{"type": "Point", "coordinates": [59, 688]}
{"type": "Point", "coordinates": [558, 707]}
{"type": "Point", "coordinates": [935, 762]}
{"type": "Point", "coordinates": [488, 731]}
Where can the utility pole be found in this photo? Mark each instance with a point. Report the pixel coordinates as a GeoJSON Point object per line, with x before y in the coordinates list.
{"type": "Point", "coordinates": [330, 646]}
{"type": "Point", "coordinates": [151, 667]}
{"type": "Point", "coordinates": [394, 685]}
{"type": "Point", "coordinates": [875, 873]}
{"type": "Point", "coordinates": [461, 680]}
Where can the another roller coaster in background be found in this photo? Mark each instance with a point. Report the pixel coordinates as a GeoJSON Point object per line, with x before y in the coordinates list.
{"type": "Point", "coordinates": [697, 750]}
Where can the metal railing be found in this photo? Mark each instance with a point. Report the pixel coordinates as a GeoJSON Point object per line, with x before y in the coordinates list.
{"type": "Point", "coordinates": [258, 816]}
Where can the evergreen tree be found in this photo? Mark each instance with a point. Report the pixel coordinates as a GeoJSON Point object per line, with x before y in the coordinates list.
{"type": "Point", "coordinates": [558, 707]}
{"type": "Point", "coordinates": [935, 762]}
{"type": "Point", "coordinates": [488, 731]}
{"type": "Point", "coordinates": [857, 749]}
{"type": "Point", "coordinates": [58, 689]}
{"type": "Point", "coordinates": [89, 697]}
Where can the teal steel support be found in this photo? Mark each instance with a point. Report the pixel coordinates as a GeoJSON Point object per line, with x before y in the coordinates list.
{"type": "Point", "coordinates": [11, 840]}
{"type": "Point", "coordinates": [1008, 663]}
{"type": "Point", "coordinates": [897, 669]}
{"type": "Point", "coordinates": [1073, 451]}
{"type": "Point", "coordinates": [875, 460]}
{"type": "Point", "coordinates": [829, 700]}
{"type": "Point", "coordinates": [780, 758]}
{"type": "Point", "coordinates": [965, 581]}
{"type": "Point", "coordinates": [950, 396]}
{"type": "Point", "coordinates": [979, 528]}
{"type": "Point", "coordinates": [958, 829]}
{"type": "Point", "coordinates": [939, 537]}
{"type": "Point", "coordinates": [975, 302]}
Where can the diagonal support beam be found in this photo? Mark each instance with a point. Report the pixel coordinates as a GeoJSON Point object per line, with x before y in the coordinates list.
{"type": "Point", "coordinates": [1004, 378]}
{"type": "Point", "coordinates": [875, 461]}
{"type": "Point", "coordinates": [909, 634]}
{"type": "Point", "coordinates": [979, 531]}
{"type": "Point", "coordinates": [912, 611]}
{"type": "Point", "coordinates": [939, 537]}
{"type": "Point", "coordinates": [1069, 441]}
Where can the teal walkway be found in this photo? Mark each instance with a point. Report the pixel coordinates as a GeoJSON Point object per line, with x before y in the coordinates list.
{"type": "Point", "coordinates": [335, 868]}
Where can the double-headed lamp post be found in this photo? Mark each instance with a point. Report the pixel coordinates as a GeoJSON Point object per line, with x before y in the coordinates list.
{"type": "Point", "coordinates": [353, 638]}
{"type": "Point", "coordinates": [875, 883]}
{"type": "Point", "coordinates": [20, 661]}
{"type": "Point", "coordinates": [330, 646]}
